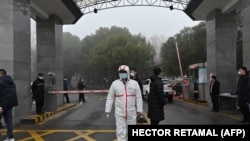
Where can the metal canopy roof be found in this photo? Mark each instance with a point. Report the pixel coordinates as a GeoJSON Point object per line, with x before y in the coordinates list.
{"type": "Point", "coordinates": [89, 6]}
{"type": "Point", "coordinates": [70, 11]}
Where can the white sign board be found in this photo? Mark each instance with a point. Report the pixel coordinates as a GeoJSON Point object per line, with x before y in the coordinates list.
{"type": "Point", "coordinates": [202, 75]}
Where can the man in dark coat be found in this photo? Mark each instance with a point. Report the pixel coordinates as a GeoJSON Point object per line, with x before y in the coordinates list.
{"type": "Point", "coordinates": [134, 75]}
{"type": "Point", "coordinates": [38, 90]}
{"type": "Point", "coordinates": [214, 93]}
{"type": "Point", "coordinates": [81, 86]}
{"type": "Point", "coordinates": [243, 93]}
{"type": "Point", "coordinates": [8, 100]}
{"type": "Point", "coordinates": [65, 88]}
{"type": "Point", "coordinates": [156, 100]}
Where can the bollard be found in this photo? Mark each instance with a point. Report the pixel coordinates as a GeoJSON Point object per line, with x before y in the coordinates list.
{"type": "Point", "coordinates": [50, 98]}
{"type": "Point", "coordinates": [185, 91]}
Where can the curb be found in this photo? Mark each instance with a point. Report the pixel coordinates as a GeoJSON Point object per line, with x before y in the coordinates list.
{"type": "Point", "coordinates": [34, 119]}
{"type": "Point", "coordinates": [198, 102]}
{"type": "Point", "coordinates": [194, 101]}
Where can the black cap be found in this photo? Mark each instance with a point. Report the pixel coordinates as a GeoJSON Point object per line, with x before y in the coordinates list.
{"type": "Point", "coordinates": [40, 74]}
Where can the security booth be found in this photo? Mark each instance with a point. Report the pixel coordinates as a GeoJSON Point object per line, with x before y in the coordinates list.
{"type": "Point", "coordinates": [198, 81]}
{"type": "Point", "coordinates": [51, 98]}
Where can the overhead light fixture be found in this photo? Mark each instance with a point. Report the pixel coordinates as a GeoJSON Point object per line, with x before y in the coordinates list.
{"type": "Point", "coordinates": [95, 10]}
{"type": "Point", "coordinates": [171, 7]}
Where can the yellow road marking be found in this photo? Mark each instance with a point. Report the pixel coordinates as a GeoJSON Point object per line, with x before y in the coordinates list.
{"type": "Point", "coordinates": [36, 136]}
{"type": "Point", "coordinates": [80, 134]}
{"type": "Point", "coordinates": [224, 114]}
{"type": "Point", "coordinates": [83, 135]}
{"type": "Point", "coordinates": [230, 116]}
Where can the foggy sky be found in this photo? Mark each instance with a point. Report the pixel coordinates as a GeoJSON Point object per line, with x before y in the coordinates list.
{"type": "Point", "coordinates": [149, 21]}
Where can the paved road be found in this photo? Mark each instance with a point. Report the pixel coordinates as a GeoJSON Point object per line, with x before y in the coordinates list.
{"type": "Point", "coordinates": [87, 121]}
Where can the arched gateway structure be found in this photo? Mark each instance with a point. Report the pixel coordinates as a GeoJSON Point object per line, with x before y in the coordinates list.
{"type": "Point", "coordinates": [51, 15]}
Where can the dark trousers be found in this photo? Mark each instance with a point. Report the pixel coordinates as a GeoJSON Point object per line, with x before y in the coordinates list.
{"type": "Point", "coordinates": [39, 105]}
{"type": "Point", "coordinates": [67, 97]}
{"type": "Point", "coordinates": [154, 122]}
{"type": "Point", "coordinates": [8, 118]}
{"type": "Point", "coordinates": [81, 97]}
{"type": "Point", "coordinates": [245, 112]}
{"type": "Point", "coordinates": [215, 102]}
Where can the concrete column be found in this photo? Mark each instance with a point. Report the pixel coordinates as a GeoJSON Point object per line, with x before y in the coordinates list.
{"type": "Point", "coordinates": [49, 50]}
{"type": "Point", "coordinates": [221, 50]}
{"type": "Point", "coordinates": [15, 50]}
{"type": "Point", "coordinates": [246, 33]}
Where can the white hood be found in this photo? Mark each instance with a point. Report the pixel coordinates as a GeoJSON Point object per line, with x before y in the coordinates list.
{"type": "Point", "coordinates": [125, 68]}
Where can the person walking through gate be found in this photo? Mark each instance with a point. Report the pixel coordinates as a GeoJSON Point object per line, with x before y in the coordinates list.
{"type": "Point", "coordinates": [243, 93]}
{"type": "Point", "coordinates": [81, 86]}
{"type": "Point", "coordinates": [214, 93]}
{"type": "Point", "coordinates": [8, 100]}
{"type": "Point", "coordinates": [38, 90]}
{"type": "Point", "coordinates": [65, 88]}
{"type": "Point", "coordinates": [126, 95]}
{"type": "Point", "coordinates": [156, 100]}
{"type": "Point", "coordinates": [134, 75]}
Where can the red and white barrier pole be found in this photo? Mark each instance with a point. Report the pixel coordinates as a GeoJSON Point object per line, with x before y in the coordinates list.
{"type": "Point", "coordinates": [78, 91]}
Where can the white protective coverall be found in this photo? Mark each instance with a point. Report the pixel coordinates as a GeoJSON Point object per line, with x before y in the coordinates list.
{"type": "Point", "coordinates": [128, 101]}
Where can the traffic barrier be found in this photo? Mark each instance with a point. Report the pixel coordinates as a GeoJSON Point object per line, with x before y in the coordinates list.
{"type": "Point", "coordinates": [78, 91]}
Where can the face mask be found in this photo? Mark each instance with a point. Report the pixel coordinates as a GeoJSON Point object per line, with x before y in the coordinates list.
{"type": "Point", "coordinates": [239, 73]}
{"type": "Point", "coordinates": [123, 75]}
{"type": "Point", "coordinates": [40, 77]}
{"type": "Point", "coordinates": [65, 79]}
{"type": "Point", "coordinates": [132, 74]}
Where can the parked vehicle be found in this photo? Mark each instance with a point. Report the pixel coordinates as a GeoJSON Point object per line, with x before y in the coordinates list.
{"type": "Point", "coordinates": [167, 89]}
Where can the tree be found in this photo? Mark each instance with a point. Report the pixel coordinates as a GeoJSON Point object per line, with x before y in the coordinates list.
{"type": "Point", "coordinates": [71, 54]}
{"type": "Point", "coordinates": [119, 48]}
{"type": "Point", "coordinates": [192, 49]}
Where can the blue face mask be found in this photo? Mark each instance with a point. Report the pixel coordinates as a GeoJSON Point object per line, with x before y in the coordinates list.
{"type": "Point", "coordinates": [123, 75]}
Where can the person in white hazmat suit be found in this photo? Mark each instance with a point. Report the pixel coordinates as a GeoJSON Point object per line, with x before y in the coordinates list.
{"type": "Point", "coordinates": [126, 95]}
